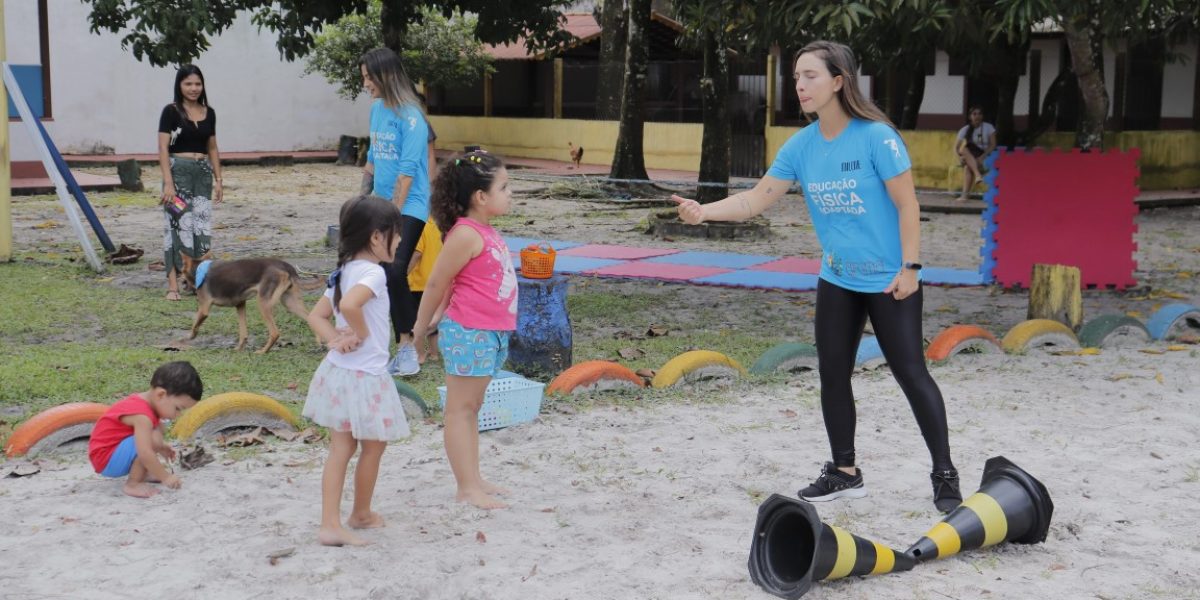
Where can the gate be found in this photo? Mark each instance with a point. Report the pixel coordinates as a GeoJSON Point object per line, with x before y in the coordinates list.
{"type": "Point", "coordinates": [748, 116]}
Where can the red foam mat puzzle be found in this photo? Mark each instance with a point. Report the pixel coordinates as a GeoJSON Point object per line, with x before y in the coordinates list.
{"type": "Point", "coordinates": [1068, 208]}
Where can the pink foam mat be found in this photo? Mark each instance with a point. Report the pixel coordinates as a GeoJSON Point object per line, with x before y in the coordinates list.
{"type": "Point", "coordinates": [791, 264]}
{"type": "Point", "coordinates": [616, 252]}
{"type": "Point", "coordinates": [1066, 208]}
{"type": "Point", "coordinates": [657, 271]}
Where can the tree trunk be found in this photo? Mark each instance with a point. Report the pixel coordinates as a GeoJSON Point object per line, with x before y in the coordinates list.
{"type": "Point", "coordinates": [1083, 41]}
{"type": "Point", "coordinates": [717, 141]}
{"type": "Point", "coordinates": [393, 32]}
{"type": "Point", "coordinates": [1054, 294]}
{"type": "Point", "coordinates": [913, 99]}
{"type": "Point", "coordinates": [1006, 95]}
{"type": "Point", "coordinates": [628, 160]}
{"type": "Point", "coordinates": [613, 25]}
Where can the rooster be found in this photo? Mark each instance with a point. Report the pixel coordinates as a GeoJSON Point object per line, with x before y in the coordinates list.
{"type": "Point", "coordinates": [576, 154]}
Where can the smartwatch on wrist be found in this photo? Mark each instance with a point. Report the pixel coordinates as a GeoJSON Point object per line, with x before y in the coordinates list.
{"type": "Point", "coordinates": [911, 266]}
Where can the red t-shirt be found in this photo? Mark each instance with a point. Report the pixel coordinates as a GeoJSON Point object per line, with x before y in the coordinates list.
{"type": "Point", "coordinates": [110, 431]}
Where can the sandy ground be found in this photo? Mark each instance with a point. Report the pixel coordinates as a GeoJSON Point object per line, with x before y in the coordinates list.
{"type": "Point", "coordinates": [658, 500]}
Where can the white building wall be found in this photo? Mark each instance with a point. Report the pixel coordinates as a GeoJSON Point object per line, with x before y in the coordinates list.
{"type": "Point", "coordinates": [101, 95]}
{"type": "Point", "coordinates": [1179, 82]}
{"type": "Point", "coordinates": [943, 92]}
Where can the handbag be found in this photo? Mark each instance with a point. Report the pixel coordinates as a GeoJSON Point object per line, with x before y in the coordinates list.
{"type": "Point", "coordinates": [176, 206]}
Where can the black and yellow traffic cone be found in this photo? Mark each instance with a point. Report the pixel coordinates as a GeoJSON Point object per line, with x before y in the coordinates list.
{"type": "Point", "coordinates": [792, 548]}
{"type": "Point", "coordinates": [1010, 506]}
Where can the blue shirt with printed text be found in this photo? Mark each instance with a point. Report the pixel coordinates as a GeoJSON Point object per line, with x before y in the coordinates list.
{"type": "Point", "coordinates": [399, 139]}
{"type": "Point", "coordinates": [843, 184]}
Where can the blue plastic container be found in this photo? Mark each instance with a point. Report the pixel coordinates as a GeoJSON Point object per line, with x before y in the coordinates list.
{"type": "Point", "coordinates": [507, 401]}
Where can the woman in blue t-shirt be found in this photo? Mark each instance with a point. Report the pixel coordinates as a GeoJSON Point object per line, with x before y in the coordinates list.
{"type": "Point", "coordinates": [397, 169]}
{"type": "Point", "coordinates": [854, 170]}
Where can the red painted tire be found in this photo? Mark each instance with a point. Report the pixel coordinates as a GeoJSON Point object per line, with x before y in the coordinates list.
{"type": "Point", "coordinates": [54, 426]}
{"type": "Point", "coordinates": [956, 338]}
{"type": "Point", "coordinates": [594, 375]}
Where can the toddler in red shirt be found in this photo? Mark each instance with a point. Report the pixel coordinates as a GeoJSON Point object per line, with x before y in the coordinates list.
{"type": "Point", "coordinates": [128, 437]}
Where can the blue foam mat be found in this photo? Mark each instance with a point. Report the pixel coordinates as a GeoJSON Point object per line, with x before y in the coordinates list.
{"type": "Point", "coordinates": [762, 279]}
{"type": "Point", "coordinates": [724, 260]}
{"type": "Point", "coordinates": [942, 276]}
{"type": "Point", "coordinates": [579, 264]}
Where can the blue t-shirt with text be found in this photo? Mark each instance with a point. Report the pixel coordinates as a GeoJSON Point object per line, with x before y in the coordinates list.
{"type": "Point", "coordinates": [843, 183]}
{"type": "Point", "coordinates": [399, 139]}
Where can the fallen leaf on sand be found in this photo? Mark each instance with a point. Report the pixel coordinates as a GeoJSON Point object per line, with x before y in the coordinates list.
{"type": "Point", "coordinates": [287, 435]}
{"type": "Point", "coordinates": [274, 557]}
{"type": "Point", "coordinates": [631, 353]}
{"type": "Point", "coordinates": [656, 331]}
{"type": "Point", "coordinates": [47, 225]}
{"type": "Point", "coordinates": [1152, 351]}
{"type": "Point", "coordinates": [1119, 376]}
{"type": "Point", "coordinates": [479, 537]}
{"type": "Point", "coordinates": [787, 412]}
{"type": "Point", "coordinates": [532, 572]}
{"type": "Point", "coordinates": [647, 373]}
{"type": "Point", "coordinates": [195, 457]}
{"type": "Point", "coordinates": [241, 440]}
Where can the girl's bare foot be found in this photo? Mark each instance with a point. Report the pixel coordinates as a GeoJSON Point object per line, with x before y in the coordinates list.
{"type": "Point", "coordinates": [480, 499]}
{"type": "Point", "coordinates": [139, 490]}
{"type": "Point", "coordinates": [961, 199]}
{"type": "Point", "coordinates": [372, 520]}
{"type": "Point", "coordinates": [339, 537]}
{"type": "Point", "coordinates": [173, 295]}
{"type": "Point", "coordinates": [491, 488]}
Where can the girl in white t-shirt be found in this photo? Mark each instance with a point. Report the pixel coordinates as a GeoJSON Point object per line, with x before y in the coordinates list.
{"type": "Point", "coordinates": [351, 393]}
{"type": "Point", "coordinates": [975, 140]}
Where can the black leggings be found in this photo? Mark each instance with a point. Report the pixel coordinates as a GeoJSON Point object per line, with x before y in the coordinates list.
{"type": "Point", "coordinates": [841, 315]}
{"type": "Point", "coordinates": [403, 308]}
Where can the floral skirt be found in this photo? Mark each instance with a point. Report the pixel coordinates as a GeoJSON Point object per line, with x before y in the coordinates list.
{"type": "Point", "coordinates": [365, 405]}
{"type": "Point", "coordinates": [192, 232]}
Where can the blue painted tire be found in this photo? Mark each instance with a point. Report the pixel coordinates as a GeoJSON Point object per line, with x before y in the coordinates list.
{"type": "Point", "coordinates": [1165, 318]}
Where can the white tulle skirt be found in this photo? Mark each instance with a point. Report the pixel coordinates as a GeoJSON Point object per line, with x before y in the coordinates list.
{"type": "Point", "coordinates": [365, 405]}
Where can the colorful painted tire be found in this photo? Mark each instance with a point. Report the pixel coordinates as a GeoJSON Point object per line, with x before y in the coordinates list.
{"type": "Point", "coordinates": [696, 365]}
{"type": "Point", "coordinates": [869, 355]}
{"type": "Point", "coordinates": [232, 409]}
{"type": "Point", "coordinates": [1164, 320]}
{"type": "Point", "coordinates": [594, 375]}
{"type": "Point", "coordinates": [957, 338]}
{"type": "Point", "coordinates": [788, 357]}
{"type": "Point", "coordinates": [1036, 333]}
{"type": "Point", "coordinates": [414, 404]}
{"type": "Point", "coordinates": [54, 427]}
{"type": "Point", "coordinates": [1108, 331]}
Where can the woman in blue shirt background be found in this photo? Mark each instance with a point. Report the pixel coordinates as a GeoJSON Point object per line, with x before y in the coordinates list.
{"type": "Point", "coordinates": [397, 169]}
{"type": "Point", "coordinates": [854, 170]}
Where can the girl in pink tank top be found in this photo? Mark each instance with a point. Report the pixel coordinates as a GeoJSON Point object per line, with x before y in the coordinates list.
{"type": "Point", "coordinates": [473, 285]}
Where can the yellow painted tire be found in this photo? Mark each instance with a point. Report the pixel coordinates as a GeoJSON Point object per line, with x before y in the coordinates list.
{"type": "Point", "coordinates": [688, 365]}
{"type": "Point", "coordinates": [232, 409]}
{"type": "Point", "coordinates": [1038, 332]}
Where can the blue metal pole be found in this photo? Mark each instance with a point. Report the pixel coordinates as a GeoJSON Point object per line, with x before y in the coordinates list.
{"type": "Point", "coordinates": [76, 191]}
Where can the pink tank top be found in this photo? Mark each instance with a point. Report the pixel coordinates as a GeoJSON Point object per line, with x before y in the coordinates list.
{"type": "Point", "coordinates": [484, 293]}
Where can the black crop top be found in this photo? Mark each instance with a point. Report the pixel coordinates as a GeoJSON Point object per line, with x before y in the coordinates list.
{"type": "Point", "coordinates": [187, 136]}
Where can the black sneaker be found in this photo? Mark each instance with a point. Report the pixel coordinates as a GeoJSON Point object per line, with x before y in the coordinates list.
{"type": "Point", "coordinates": [946, 494]}
{"type": "Point", "coordinates": [834, 484]}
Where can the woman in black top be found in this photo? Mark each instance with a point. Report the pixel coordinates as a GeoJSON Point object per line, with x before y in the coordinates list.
{"type": "Point", "coordinates": [191, 169]}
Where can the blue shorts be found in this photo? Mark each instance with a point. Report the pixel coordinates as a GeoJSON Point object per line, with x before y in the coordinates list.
{"type": "Point", "coordinates": [121, 460]}
{"type": "Point", "coordinates": [471, 352]}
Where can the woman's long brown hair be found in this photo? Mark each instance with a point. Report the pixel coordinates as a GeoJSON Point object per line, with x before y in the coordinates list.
{"type": "Point", "coordinates": [839, 59]}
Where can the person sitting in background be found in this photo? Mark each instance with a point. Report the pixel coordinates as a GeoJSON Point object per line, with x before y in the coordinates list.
{"type": "Point", "coordinates": [975, 140]}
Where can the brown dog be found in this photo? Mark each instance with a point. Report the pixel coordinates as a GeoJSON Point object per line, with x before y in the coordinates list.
{"type": "Point", "coordinates": [232, 283]}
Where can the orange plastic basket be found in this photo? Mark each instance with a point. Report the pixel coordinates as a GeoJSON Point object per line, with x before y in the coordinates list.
{"type": "Point", "coordinates": [537, 261]}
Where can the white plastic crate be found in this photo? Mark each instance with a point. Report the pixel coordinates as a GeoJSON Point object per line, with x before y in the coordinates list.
{"type": "Point", "coordinates": [507, 401]}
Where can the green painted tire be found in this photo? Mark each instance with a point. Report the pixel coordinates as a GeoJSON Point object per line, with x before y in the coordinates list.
{"type": "Point", "coordinates": [1111, 331]}
{"type": "Point", "coordinates": [788, 357]}
{"type": "Point", "coordinates": [414, 404]}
